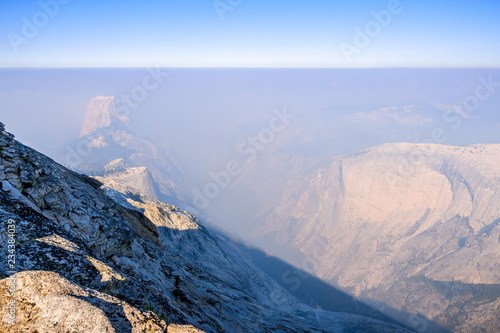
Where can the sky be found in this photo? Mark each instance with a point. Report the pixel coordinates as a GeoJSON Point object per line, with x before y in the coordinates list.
{"type": "Point", "coordinates": [244, 33]}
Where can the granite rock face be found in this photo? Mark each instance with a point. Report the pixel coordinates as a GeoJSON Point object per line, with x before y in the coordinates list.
{"type": "Point", "coordinates": [130, 263]}
{"type": "Point", "coordinates": [101, 112]}
{"type": "Point", "coordinates": [137, 179]}
{"type": "Point", "coordinates": [412, 226]}
{"type": "Point", "coordinates": [49, 303]}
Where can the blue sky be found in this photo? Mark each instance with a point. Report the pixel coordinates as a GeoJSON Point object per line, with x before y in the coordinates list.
{"type": "Point", "coordinates": [252, 33]}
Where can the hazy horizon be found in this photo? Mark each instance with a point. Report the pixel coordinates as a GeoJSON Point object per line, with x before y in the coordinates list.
{"type": "Point", "coordinates": [190, 98]}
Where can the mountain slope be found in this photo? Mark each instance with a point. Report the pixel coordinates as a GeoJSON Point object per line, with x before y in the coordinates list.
{"type": "Point", "coordinates": [394, 214]}
{"type": "Point", "coordinates": [156, 263]}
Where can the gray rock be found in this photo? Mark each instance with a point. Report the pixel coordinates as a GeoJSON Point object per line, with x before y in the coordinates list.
{"type": "Point", "coordinates": [48, 303]}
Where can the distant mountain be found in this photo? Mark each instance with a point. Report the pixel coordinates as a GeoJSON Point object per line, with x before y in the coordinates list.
{"type": "Point", "coordinates": [87, 261]}
{"type": "Point", "coordinates": [404, 227]}
{"type": "Point", "coordinates": [107, 147]}
{"type": "Point", "coordinates": [101, 113]}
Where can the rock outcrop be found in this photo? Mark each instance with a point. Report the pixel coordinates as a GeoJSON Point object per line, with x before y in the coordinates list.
{"type": "Point", "coordinates": [137, 179]}
{"type": "Point", "coordinates": [47, 302]}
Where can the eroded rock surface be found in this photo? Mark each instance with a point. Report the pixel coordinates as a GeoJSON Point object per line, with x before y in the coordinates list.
{"type": "Point", "coordinates": [49, 303]}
